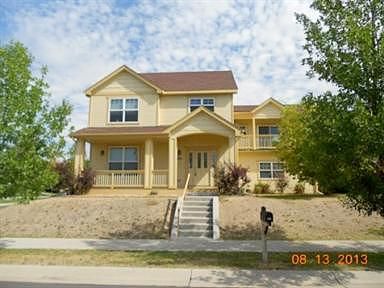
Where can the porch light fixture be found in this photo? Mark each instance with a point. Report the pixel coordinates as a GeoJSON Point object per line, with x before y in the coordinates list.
{"type": "Point", "coordinates": [102, 152]}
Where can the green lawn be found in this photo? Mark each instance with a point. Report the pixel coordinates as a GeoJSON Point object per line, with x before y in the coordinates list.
{"type": "Point", "coordinates": [43, 195]}
{"type": "Point", "coordinates": [297, 196]}
{"type": "Point", "coordinates": [240, 260]}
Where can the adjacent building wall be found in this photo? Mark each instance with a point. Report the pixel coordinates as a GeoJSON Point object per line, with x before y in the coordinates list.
{"type": "Point", "coordinates": [251, 161]}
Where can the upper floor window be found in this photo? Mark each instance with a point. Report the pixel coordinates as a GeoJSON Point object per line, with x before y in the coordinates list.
{"type": "Point", "coordinates": [268, 136]}
{"type": "Point", "coordinates": [123, 158]}
{"type": "Point", "coordinates": [195, 103]}
{"type": "Point", "coordinates": [124, 110]}
{"type": "Point", "coordinates": [268, 130]}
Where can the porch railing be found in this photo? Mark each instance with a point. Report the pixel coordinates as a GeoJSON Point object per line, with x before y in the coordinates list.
{"type": "Point", "coordinates": [160, 178]}
{"type": "Point", "coordinates": [119, 178]}
{"type": "Point", "coordinates": [262, 141]}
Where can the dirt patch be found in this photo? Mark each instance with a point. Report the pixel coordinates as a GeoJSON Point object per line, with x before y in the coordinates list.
{"type": "Point", "coordinates": [312, 219]}
{"type": "Point", "coordinates": [86, 217]}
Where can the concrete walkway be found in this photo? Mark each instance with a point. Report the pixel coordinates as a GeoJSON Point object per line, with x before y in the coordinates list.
{"type": "Point", "coordinates": [10, 275]}
{"type": "Point", "coordinates": [191, 245]}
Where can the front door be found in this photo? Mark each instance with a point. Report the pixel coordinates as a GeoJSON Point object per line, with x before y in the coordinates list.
{"type": "Point", "coordinates": [199, 167]}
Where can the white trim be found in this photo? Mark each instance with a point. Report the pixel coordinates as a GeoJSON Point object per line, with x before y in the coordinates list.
{"type": "Point", "coordinates": [123, 156]}
{"type": "Point", "coordinates": [201, 103]}
{"type": "Point", "coordinates": [123, 110]}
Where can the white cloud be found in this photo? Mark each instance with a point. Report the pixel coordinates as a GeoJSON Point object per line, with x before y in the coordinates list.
{"type": "Point", "coordinates": [82, 41]}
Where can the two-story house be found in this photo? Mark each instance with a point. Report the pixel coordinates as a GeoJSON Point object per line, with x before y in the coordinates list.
{"type": "Point", "coordinates": [150, 130]}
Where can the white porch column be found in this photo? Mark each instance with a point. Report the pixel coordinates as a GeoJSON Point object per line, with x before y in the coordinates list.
{"type": "Point", "coordinates": [148, 164]}
{"type": "Point", "coordinates": [172, 162]}
{"type": "Point", "coordinates": [79, 156]}
{"type": "Point", "coordinates": [231, 149]}
{"type": "Point", "coordinates": [253, 134]}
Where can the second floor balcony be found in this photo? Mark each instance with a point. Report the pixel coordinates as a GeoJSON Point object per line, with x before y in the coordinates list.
{"type": "Point", "coordinates": [253, 142]}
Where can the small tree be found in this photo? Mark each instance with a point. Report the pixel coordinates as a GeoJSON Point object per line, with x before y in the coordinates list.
{"type": "Point", "coordinates": [338, 141]}
{"type": "Point", "coordinates": [230, 179]}
{"type": "Point", "coordinates": [31, 130]}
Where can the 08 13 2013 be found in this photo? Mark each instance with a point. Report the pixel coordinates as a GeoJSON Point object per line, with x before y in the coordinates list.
{"type": "Point", "coordinates": [326, 259]}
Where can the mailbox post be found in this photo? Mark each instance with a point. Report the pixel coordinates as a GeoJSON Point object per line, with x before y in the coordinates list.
{"type": "Point", "coordinates": [266, 219]}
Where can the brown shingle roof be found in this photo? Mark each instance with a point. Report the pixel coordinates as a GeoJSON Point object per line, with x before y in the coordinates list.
{"type": "Point", "coordinates": [244, 108]}
{"type": "Point", "coordinates": [192, 81]}
{"type": "Point", "coordinates": [119, 130]}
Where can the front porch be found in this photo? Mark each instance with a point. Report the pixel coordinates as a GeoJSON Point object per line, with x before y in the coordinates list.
{"type": "Point", "coordinates": [154, 163]}
{"type": "Point", "coordinates": [158, 156]}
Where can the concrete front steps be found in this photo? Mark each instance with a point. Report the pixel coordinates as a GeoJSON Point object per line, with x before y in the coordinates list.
{"type": "Point", "coordinates": [197, 216]}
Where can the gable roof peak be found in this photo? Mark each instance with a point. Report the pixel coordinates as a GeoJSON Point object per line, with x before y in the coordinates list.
{"type": "Point", "coordinates": [178, 82]}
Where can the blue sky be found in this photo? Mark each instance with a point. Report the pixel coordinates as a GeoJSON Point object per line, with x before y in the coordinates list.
{"type": "Point", "coordinates": [81, 41]}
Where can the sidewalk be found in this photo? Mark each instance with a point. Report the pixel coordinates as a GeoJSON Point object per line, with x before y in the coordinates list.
{"type": "Point", "coordinates": [160, 277]}
{"type": "Point", "coordinates": [191, 245]}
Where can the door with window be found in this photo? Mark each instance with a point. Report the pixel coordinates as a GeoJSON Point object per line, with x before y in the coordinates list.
{"type": "Point", "coordinates": [199, 166]}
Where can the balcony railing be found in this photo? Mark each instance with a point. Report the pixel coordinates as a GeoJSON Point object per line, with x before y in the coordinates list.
{"type": "Point", "coordinates": [160, 178]}
{"type": "Point", "coordinates": [261, 142]}
{"type": "Point", "coordinates": [246, 142]}
{"type": "Point", "coordinates": [119, 178]}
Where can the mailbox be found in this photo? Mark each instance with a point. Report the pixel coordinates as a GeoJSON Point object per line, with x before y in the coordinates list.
{"type": "Point", "coordinates": [266, 216]}
{"type": "Point", "coordinates": [269, 218]}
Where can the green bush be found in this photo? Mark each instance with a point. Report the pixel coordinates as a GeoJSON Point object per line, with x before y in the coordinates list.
{"type": "Point", "coordinates": [69, 183]}
{"type": "Point", "coordinates": [66, 178]}
{"type": "Point", "coordinates": [281, 184]}
{"type": "Point", "coordinates": [84, 181]}
{"type": "Point", "coordinates": [299, 188]}
{"type": "Point", "coordinates": [262, 188]}
{"type": "Point", "coordinates": [230, 179]}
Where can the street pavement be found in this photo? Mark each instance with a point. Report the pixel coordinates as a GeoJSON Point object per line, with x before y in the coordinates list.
{"type": "Point", "coordinates": [23, 276]}
{"type": "Point", "coordinates": [190, 244]}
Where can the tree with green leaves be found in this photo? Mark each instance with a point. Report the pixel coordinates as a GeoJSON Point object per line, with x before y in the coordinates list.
{"type": "Point", "coordinates": [337, 139]}
{"type": "Point", "coordinates": [31, 130]}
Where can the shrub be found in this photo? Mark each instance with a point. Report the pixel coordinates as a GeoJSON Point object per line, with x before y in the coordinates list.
{"type": "Point", "coordinates": [230, 179]}
{"type": "Point", "coordinates": [281, 184]}
{"type": "Point", "coordinates": [262, 188]}
{"type": "Point", "coordinates": [299, 188]}
{"type": "Point", "coordinates": [84, 181]}
{"type": "Point", "coordinates": [68, 182]}
{"type": "Point", "coordinates": [66, 178]}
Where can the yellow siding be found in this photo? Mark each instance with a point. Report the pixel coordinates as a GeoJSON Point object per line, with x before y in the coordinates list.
{"type": "Point", "coordinates": [123, 85]}
{"type": "Point", "coordinates": [202, 123]}
{"type": "Point", "coordinates": [174, 107]}
{"type": "Point", "coordinates": [268, 111]}
{"type": "Point", "coordinates": [251, 161]}
{"type": "Point", "coordinates": [98, 161]}
{"type": "Point", "coordinates": [160, 155]}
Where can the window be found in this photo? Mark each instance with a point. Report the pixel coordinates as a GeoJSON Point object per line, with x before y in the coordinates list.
{"type": "Point", "coordinates": [268, 136]}
{"type": "Point", "coordinates": [190, 157]}
{"type": "Point", "coordinates": [124, 110]}
{"type": "Point", "coordinates": [123, 158]}
{"type": "Point", "coordinates": [205, 161]}
{"type": "Point", "coordinates": [268, 130]}
{"type": "Point", "coordinates": [271, 170]}
{"type": "Point", "coordinates": [195, 103]}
